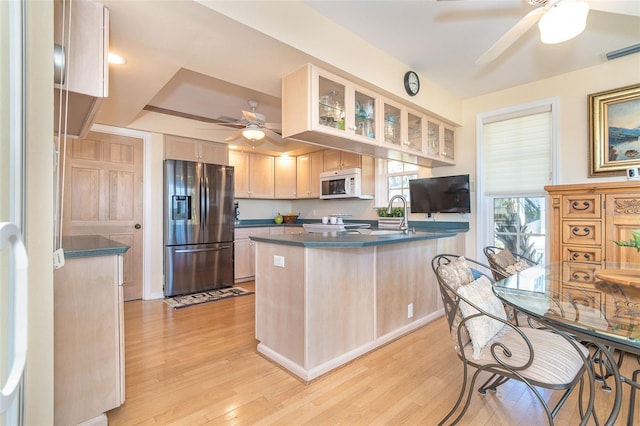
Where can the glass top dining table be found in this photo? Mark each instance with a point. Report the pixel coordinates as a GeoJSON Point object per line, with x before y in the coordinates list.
{"type": "Point", "coordinates": [597, 305]}
{"type": "Point", "coordinates": [604, 308]}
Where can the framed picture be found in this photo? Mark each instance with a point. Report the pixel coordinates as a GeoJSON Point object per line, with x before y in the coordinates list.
{"type": "Point", "coordinates": [614, 131]}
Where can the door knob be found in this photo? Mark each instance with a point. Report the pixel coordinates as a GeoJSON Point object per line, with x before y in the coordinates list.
{"type": "Point", "coordinates": [137, 226]}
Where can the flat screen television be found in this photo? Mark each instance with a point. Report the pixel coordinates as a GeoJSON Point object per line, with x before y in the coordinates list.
{"type": "Point", "coordinates": [446, 194]}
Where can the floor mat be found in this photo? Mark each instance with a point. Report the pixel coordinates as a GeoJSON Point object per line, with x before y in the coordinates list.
{"type": "Point", "coordinates": [178, 302]}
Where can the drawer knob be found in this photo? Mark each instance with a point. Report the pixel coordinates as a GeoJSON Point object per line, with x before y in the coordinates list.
{"type": "Point", "coordinates": [576, 256]}
{"type": "Point", "coordinates": [581, 276]}
{"type": "Point", "coordinates": [576, 231]}
{"type": "Point", "coordinates": [581, 205]}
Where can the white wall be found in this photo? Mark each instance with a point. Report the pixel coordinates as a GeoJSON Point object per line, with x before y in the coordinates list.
{"type": "Point", "coordinates": [572, 90]}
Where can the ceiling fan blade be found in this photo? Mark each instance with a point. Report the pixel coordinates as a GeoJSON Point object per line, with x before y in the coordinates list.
{"type": "Point", "coordinates": [510, 37]}
{"type": "Point", "coordinates": [277, 127]}
{"type": "Point", "coordinates": [620, 7]}
{"type": "Point", "coordinates": [272, 135]}
{"type": "Point", "coordinates": [233, 137]}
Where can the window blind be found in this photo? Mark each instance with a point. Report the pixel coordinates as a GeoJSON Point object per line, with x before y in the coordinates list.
{"type": "Point", "coordinates": [517, 153]}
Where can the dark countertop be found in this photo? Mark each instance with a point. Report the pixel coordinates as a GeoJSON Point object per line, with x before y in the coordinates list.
{"type": "Point", "coordinates": [91, 246]}
{"type": "Point", "coordinates": [426, 226]}
{"type": "Point", "coordinates": [349, 239]}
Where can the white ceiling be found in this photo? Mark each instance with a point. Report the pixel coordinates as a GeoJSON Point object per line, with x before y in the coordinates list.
{"type": "Point", "coordinates": [184, 56]}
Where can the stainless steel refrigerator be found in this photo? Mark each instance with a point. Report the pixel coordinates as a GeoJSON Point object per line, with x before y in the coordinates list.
{"type": "Point", "coordinates": [199, 227]}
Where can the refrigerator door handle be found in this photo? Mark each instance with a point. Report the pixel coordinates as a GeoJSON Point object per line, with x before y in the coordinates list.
{"type": "Point", "coordinates": [204, 249]}
{"type": "Point", "coordinates": [203, 198]}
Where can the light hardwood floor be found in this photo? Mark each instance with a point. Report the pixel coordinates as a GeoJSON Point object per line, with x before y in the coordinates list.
{"type": "Point", "coordinates": [198, 365]}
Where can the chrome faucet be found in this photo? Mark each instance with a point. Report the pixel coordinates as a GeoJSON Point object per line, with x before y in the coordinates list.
{"type": "Point", "coordinates": [405, 222]}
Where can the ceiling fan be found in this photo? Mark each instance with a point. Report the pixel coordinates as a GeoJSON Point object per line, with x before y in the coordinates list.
{"type": "Point", "coordinates": [558, 21]}
{"type": "Point", "coordinates": [256, 129]}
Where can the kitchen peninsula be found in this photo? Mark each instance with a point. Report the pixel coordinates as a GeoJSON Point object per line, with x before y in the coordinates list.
{"type": "Point", "coordinates": [88, 330]}
{"type": "Point", "coordinates": [324, 299]}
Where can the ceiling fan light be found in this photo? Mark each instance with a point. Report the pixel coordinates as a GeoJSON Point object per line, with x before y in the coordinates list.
{"type": "Point", "coordinates": [564, 21]}
{"type": "Point", "coordinates": [253, 133]}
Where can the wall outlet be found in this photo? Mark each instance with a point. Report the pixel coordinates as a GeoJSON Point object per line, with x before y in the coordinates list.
{"type": "Point", "coordinates": [410, 310]}
{"type": "Point", "coordinates": [278, 261]}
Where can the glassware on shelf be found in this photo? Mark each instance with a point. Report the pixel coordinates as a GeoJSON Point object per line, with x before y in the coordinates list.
{"type": "Point", "coordinates": [331, 103]}
{"type": "Point", "coordinates": [392, 124]}
{"type": "Point", "coordinates": [414, 132]}
{"type": "Point", "coordinates": [433, 138]}
{"type": "Point", "coordinates": [365, 115]}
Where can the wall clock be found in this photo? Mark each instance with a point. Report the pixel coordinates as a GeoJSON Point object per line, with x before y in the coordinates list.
{"type": "Point", "coordinates": [411, 83]}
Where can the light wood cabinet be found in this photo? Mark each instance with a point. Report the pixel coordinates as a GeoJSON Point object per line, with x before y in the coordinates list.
{"type": "Point", "coordinates": [254, 174]}
{"type": "Point", "coordinates": [245, 249]}
{"type": "Point", "coordinates": [188, 149]}
{"type": "Point", "coordinates": [328, 110]}
{"type": "Point", "coordinates": [89, 338]}
{"type": "Point", "coordinates": [285, 178]}
{"type": "Point", "coordinates": [86, 59]}
{"type": "Point", "coordinates": [440, 141]}
{"type": "Point", "coordinates": [339, 160]}
{"type": "Point", "coordinates": [585, 220]}
{"type": "Point", "coordinates": [309, 167]}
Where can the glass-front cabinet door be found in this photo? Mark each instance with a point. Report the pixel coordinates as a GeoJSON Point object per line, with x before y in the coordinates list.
{"type": "Point", "coordinates": [365, 115]}
{"type": "Point", "coordinates": [448, 151]}
{"type": "Point", "coordinates": [392, 124]}
{"type": "Point", "coordinates": [440, 141]}
{"type": "Point", "coordinates": [331, 103]}
{"type": "Point", "coordinates": [433, 139]}
{"type": "Point", "coordinates": [414, 133]}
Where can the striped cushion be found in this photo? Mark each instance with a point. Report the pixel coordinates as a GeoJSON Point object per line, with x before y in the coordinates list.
{"type": "Point", "coordinates": [555, 360]}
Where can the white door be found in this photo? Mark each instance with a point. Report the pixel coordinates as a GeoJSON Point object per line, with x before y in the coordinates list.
{"type": "Point", "coordinates": [13, 333]}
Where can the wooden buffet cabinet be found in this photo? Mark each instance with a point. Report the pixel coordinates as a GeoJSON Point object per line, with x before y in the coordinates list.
{"type": "Point", "coordinates": [585, 220]}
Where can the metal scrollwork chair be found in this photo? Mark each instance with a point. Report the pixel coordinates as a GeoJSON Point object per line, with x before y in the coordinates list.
{"type": "Point", "coordinates": [504, 263]}
{"type": "Point", "coordinates": [486, 341]}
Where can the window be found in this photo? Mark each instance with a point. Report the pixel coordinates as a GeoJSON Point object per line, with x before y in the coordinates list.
{"type": "Point", "coordinates": [516, 161]}
{"type": "Point", "coordinates": [398, 176]}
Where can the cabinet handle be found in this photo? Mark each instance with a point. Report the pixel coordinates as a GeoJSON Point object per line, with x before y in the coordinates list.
{"type": "Point", "coordinates": [581, 276]}
{"type": "Point", "coordinates": [576, 205]}
{"type": "Point", "coordinates": [576, 231]}
{"type": "Point", "coordinates": [576, 256]}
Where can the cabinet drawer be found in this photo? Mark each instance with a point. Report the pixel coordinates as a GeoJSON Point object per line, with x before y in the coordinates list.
{"type": "Point", "coordinates": [581, 254]}
{"type": "Point", "coordinates": [276, 230]}
{"type": "Point", "coordinates": [584, 297]}
{"type": "Point", "coordinates": [583, 206]}
{"type": "Point", "coordinates": [581, 232]}
{"type": "Point", "coordinates": [241, 233]}
{"type": "Point", "coordinates": [577, 274]}
{"type": "Point", "coordinates": [293, 230]}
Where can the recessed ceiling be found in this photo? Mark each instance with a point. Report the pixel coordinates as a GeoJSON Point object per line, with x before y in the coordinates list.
{"type": "Point", "coordinates": [184, 56]}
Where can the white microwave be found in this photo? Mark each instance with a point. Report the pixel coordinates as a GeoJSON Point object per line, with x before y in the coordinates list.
{"type": "Point", "coordinates": [339, 184]}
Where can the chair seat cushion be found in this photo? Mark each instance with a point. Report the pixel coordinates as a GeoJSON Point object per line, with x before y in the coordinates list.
{"type": "Point", "coordinates": [555, 360]}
